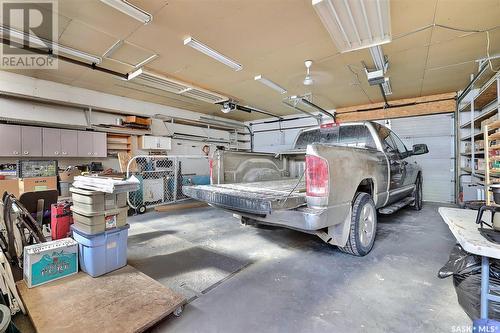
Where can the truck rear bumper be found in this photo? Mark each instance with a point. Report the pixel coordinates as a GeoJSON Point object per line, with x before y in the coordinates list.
{"type": "Point", "coordinates": [303, 219]}
{"type": "Point", "coordinates": [270, 202]}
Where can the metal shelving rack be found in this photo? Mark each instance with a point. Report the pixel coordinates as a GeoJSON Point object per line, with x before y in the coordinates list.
{"type": "Point", "coordinates": [492, 174]}
{"type": "Point", "coordinates": [478, 102]}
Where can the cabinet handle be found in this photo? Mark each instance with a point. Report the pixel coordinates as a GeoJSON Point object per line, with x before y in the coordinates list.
{"type": "Point", "coordinates": [56, 153]}
{"type": "Point", "coordinates": [64, 153]}
{"type": "Point", "coordinates": [26, 152]}
{"type": "Point", "coordinates": [15, 152]}
{"type": "Point", "coordinates": [90, 153]}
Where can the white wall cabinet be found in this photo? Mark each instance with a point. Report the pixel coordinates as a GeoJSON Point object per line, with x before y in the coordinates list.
{"type": "Point", "coordinates": [92, 144]}
{"type": "Point", "coordinates": [100, 145]}
{"type": "Point", "coordinates": [59, 142]}
{"type": "Point", "coordinates": [19, 141]}
{"type": "Point", "coordinates": [51, 138]}
{"type": "Point", "coordinates": [149, 142]}
{"type": "Point", "coordinates": [69, 143]}
{"type": "Point", "coordinates": [30, 141]}
{"type": "Point", "coordinates": [10, 140]}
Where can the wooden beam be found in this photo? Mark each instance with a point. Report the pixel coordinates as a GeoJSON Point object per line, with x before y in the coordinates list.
{"type": "Point", "coordinates": [408, 107]}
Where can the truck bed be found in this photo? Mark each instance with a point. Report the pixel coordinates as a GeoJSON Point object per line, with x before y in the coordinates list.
{"type": "Point", "coordinates": [259, 198]}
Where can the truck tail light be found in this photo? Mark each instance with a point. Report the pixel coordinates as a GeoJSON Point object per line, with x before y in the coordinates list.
{"type": "Point", "coordinates": [211, 165]}
{"type": "Point", "coordinates": [317, 176]}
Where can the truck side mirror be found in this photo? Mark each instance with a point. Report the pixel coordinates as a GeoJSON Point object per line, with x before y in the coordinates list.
{"type": "Point", "coordinates": [420, 149]}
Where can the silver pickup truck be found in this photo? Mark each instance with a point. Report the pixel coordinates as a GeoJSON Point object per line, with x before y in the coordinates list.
{"type": "Point", "coordinates": [331, 184]}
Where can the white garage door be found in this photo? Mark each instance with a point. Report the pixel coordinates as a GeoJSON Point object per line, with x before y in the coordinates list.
{"type": "Point", "coordinates": [438, 166]}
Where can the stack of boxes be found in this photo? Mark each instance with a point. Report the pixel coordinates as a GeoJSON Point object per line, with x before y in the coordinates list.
{"type": "Point", "coordinates": [489, 121]}
{"type": "Point", "coordinates": [100, 227]}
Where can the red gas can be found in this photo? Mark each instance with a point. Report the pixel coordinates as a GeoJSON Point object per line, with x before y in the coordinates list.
{"type": "Point", "coordinates": [60, 220]}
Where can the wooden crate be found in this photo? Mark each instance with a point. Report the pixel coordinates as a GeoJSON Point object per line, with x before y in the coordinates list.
{"type": "Point", "coordinates": [138, 120]}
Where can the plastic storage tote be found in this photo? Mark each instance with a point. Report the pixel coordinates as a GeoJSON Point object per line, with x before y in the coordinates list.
{"type": "Point", "coordinates": [102, 253]}
{"type": "Point", "coordinates": [91, 202]}
{"type": "Point", "coordinates": [97, 223]}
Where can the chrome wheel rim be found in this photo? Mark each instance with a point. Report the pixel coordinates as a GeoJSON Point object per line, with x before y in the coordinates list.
{"type": "Point", "coordinates": [366, 225]}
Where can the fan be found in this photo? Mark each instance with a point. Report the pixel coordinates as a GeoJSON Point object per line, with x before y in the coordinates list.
{"type": "Point", "coordinates": [308, 80]}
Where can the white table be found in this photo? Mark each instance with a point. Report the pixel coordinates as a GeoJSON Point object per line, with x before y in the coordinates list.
{"type": "Point", "coordinates": [462, 225]}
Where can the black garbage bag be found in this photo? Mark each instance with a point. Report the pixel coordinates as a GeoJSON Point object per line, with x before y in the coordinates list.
{"type": "Point", "coordinates": [466, 271]}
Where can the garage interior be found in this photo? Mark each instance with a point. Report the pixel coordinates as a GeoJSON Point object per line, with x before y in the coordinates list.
{"type": "Point", "coordinates": [269, 166]}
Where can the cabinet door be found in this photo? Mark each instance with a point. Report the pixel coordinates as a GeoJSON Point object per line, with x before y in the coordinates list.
{"type": "Point", "coordinates": [51, 138]}
{"type": "Point", "coordinates": [148, 142]}
{"type": "Point", "coordinates": [10, 140]}
{"type": "Point", "coordinates": [100, 145]}
{"type": "Point", "coordinates": [69, 143]}
{"type": "Point", "coordinates": [165, 143]}
{"type": "Point", "coordinates": [31, 141]}
{"type": "Point", "coordinates": [85, 144]}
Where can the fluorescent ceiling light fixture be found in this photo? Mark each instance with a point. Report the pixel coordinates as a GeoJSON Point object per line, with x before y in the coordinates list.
{"type": "Point", "coordinates": [130, 10]}
{"type": "Point", "coordinates": [270, 84]}
{"type": "Point", "coordinates": [164, 83]}
{"type": "Point", "coordinates": [294, 101]}
{"type": "Point", "coordinates": [41, 43]}
{"type": "Point", "coordinates": [134, 74]}
{"type": "Point", "coordinates": [355, 25]}
{"type": "Point", "coordinates": [199, 46]}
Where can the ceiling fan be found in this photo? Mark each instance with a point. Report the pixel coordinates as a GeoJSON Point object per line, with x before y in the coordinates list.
{"type": "Point", "coordinates": [308, 80]}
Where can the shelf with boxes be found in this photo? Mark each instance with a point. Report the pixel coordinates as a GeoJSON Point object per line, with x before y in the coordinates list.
{"type": "Point", "coordinates": [478, 117]}
{"type": "Point", "coordinates": [491, 157]}
{"type": "Point", "coordinates": [487, 115]}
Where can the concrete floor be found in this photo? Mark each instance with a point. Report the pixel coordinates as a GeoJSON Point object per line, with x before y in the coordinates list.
{"type": "Point", "coordinates": [265, 279]}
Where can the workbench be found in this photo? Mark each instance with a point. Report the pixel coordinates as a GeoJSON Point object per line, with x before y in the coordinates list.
{"type": "Point", "coordinates": [462, 225]}
{"type": "Point", "coordinates": [122, 301]}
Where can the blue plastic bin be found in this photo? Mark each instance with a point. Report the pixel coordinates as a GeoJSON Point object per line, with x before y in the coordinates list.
{"type": "Point", "coordinates": [102, 253]}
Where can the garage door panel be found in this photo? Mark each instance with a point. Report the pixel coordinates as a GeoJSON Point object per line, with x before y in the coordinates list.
{"type": "Point", "coordinates": [438, 192]}
{"type": "Point", "coordinates": [437, 132]}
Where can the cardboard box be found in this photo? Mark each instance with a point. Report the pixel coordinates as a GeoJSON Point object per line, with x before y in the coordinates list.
{"type": "Point", "coordinates": [37, 184]}
{"type": "Point", "coordinates": [10, 185]}
{"type": "Point", "coordinates": [50, 261]}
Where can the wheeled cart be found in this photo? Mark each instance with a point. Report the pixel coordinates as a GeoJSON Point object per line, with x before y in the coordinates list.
{"type": "Point", "coordinates": [162, 177]}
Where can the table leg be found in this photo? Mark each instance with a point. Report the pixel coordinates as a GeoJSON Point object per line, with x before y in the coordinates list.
{"type": "Point", "coordinates": [485, 286]}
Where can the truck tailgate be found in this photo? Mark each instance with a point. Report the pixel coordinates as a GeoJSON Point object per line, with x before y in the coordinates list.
{"type": "Point", "coordinates": [259, 198]}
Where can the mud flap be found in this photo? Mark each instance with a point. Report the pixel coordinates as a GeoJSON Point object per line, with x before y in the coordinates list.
{"type": "Point", "coordinates": [337, 234]}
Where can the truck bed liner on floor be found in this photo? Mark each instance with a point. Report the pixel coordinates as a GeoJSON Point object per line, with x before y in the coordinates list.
{"type": "Point", "coordinates": [259, 198]}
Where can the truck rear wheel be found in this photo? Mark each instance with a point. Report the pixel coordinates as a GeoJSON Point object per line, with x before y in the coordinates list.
{"type": "Point", "coordinates": [363, 226]}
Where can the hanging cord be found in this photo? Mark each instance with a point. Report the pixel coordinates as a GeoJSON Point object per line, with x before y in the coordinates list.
{"type": "Point", "coordinates": [294, 188]}
{"type": "Point", "coordinates": [488, 52]}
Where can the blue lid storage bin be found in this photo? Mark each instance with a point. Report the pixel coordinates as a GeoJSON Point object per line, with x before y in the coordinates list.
{"type": "Point", "coordinates": [104, 252]}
